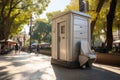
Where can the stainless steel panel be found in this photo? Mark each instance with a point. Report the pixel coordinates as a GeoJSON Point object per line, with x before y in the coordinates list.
{"type": "Point", "coordinates": [78, 21]}
{"type": "Point", "coordinates": [78, 34]}
{"type": "Point", "coordinates": [78, 27]}
{"type": "Point", "coordinates": [76, 49]}
{"type": "Point", "coordinates": [67, 47]}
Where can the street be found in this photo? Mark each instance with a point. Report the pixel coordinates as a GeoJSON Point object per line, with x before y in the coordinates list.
{"type": "Point", "coordinates": [29, 66]}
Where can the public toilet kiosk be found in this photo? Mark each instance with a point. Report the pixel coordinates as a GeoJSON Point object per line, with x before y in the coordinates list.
{"type": "Point", "coordinates": [71, 38]}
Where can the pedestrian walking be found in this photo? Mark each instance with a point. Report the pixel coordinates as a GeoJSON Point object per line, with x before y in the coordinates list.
{"type": "Point", "coordinates": [16, 48]}
{"type": "Point", "coordinates": [37, 49]}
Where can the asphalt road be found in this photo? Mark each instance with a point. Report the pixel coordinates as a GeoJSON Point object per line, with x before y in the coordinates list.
{"type": "Point", "coordinates": [26, 66]}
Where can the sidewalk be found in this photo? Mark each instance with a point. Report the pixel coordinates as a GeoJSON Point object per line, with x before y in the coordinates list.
{"type": "Point", "coordinates": [28, 66]}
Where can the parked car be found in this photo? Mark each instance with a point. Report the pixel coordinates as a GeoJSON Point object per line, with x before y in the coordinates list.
{"type": "Point", "coordinates": [44, 45]}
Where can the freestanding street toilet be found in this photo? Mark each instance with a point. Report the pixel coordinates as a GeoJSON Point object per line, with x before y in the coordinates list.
{"type": "Point", "coordinates": [69, 29]}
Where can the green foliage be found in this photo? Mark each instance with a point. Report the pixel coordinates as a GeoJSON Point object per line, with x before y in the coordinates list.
{"type": "Point", "coordinates": [41, 32]}
{"type": "Point", "coordinates": [51, 14]}
{"type": "Point", "coordinates": [18, 24]}
{"type": "Point", "coordinates": [98, 15]}
{"type": "Point", "coordinates": [101, 21]}
{"type": "Point", "coordinates": [42, 29]}
{"type": "Point", "coordinates": [74, 5]}
{"type": "Point", "coordinates": [15, 13]}
{"type": "Point", "coordinates": [117, 16]}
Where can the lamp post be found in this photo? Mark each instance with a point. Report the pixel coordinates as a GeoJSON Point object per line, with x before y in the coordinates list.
{"type": "Point", "coordinates": [30, 32]}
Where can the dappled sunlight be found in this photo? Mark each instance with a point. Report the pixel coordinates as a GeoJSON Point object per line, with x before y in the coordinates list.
{"type": "Point", "coordinates": [4, 63]}
{"type": "Point", "coordinates": [33, 72]}
{"type": "Point", "coordinates": [50, 75]}
{"type": "Point", "coordinates": [26, 67]}
{"type": "Point", "coordinates": [109, 68]}
{"type": "Point", "coordinates": [47, 77]}
{"type": "Point", "coordinates": [33, 67]}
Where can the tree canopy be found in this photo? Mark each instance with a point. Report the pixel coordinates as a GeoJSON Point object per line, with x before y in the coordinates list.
{"type": "Point", "coordinates": [74, 5]}
{"type": "Point", "coordinates": [42, 28]}
{"type": "Point", "coordinates": [14, 13]}
{"type": "Point", "coordinates": [100, 22]}
{"type": "Point", "coordinates": [41, 32]}
{"type": "Point", "coordinates": [51, 14]}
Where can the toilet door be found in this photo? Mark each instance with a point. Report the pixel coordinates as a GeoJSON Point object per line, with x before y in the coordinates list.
{"type": "Point", "coordinates": [62, 40]}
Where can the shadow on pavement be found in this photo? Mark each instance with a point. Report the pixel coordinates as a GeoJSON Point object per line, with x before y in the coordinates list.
{"type": "Point", "coordinates": [15, 61]}
{"type": "Point", "coordinates": [15, 64]}
{"type": "Point", "coordinates": [2, 67]}
{"type": "Point", "coordinates": [39, 68]}
{"type": "Point", "coordinates": [94, 73]}
{"type": "Point", "coordinates": [4, 75]}
{"type": "Point", "coordinates": [11, 58]}
{"type": "Point", "coordinates": [28, 75]}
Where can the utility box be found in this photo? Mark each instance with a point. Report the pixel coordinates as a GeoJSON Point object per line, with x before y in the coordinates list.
{"type": "Point", "coordinates": [68, 29]}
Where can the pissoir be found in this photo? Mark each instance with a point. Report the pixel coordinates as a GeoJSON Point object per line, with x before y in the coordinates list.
{"type": "Point", "coordinates": [69, 29]}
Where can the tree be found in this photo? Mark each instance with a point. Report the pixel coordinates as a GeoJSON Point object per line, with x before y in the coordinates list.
{"type": "Point", "coordinates": [50, 15]}
{"type": "Point", "coordinates": [104, 17]}
{"type": "Point", "coordinates": [110, 18]}
{"type": "Point", "coordinates": [98, 9]}
{"type": "Point", "coordinates": [18, 24]}
{"type": "Point", "coordinates": [41, 32]}
{"type": "Point", "coordinates": [11, 9]}
{"type": "Point", "coordinates": [74, 5]}
{"type": "Point", "coordinates": [42, 28]}
{"type": "Point", "coordinates": [98, 21]}
{"type": "Point", "coordinates": [94, 9]}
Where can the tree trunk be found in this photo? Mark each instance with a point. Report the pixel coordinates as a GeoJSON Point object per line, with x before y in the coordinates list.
{"type": "Point", "coordinates": [4, 32]}
{"type": "Point", "coordinates": [110, 17]}
{"type": "Point", "coordinates": [5, 28]}
{"type": "Point", "coordinates": [99, 7]}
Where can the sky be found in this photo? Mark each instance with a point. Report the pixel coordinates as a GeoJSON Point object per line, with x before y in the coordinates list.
{"type": "Point", "coordinates": [54, 5]}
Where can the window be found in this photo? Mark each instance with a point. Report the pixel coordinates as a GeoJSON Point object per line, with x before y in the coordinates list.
{"type": "Point", "coordinates": [62, 29]}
